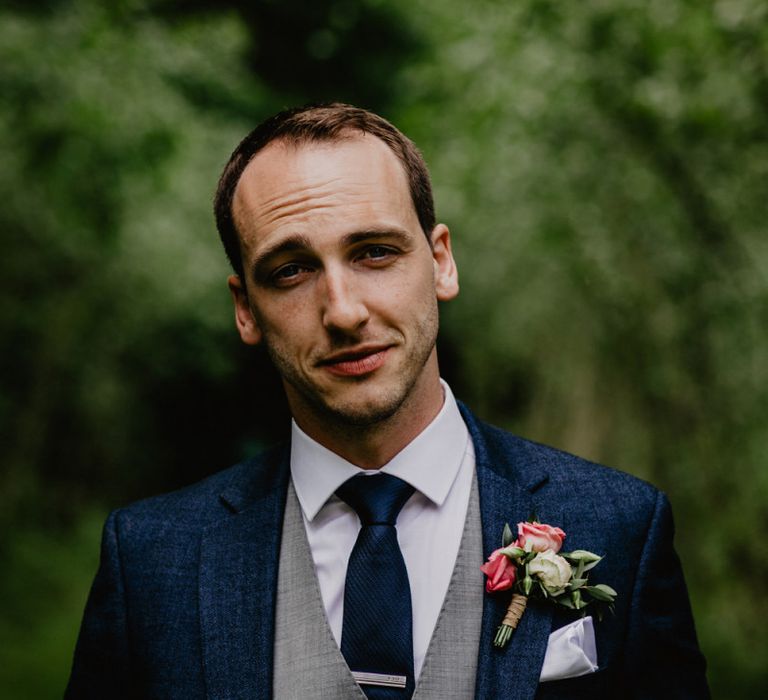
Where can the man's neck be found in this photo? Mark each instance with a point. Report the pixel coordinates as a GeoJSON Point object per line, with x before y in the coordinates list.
{"type": "Point", "coordinates": [372, 446]}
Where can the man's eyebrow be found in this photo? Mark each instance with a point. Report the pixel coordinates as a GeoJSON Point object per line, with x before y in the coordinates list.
{"type": "Point", "coordinates": [287, 245]}
{"type": "Point", "coordinates": [299, 242]}
{"type": "Point", "coordinates": [392, 233]}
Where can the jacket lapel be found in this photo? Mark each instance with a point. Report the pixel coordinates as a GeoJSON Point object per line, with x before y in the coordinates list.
{"type": "Point", "coordinates": [239, 558]}
{"type": "Point", "coordinates": [238, 577]}
{"type": "Point", "coordinates": [508, 477]}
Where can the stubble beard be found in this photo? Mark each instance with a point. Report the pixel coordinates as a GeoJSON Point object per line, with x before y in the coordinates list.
{"type": "Point", "coordinates": [373, 413]}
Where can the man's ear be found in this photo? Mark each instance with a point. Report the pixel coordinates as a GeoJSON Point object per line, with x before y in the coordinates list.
{"type": "Point", "coordinates": [446, 274]}
{"type": "Point", "coordinates": [249, 330]}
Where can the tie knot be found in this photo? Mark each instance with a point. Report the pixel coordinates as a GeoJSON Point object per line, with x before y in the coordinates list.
{"type": "Point", "coordinates": [377, 499]}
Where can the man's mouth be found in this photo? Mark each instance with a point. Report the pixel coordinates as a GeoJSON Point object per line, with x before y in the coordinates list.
{"type": "Point", "coordinates": [357, 362]}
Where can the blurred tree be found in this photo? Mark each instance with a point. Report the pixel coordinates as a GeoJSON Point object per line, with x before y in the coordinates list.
{"type": "Point", "coordinates": [118, 119]}
{"type": "Point", "coordinates": [101, 180]}
{"type": "Point", "coordinates": [602, 166]}
{"type": "Point", "coordinates": [121, 374]}
{"type": "Point", "coordinates": [310, 51]}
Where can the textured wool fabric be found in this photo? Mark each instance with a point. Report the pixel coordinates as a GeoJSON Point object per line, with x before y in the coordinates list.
{"type": "Point", "coordinates": [450, 666]}
{"type": "Point", "coordinates": [377, 636]}
{"type": "Point", "coordinates": [308, 662]}
{"type": "Point", "coordinates": [183, 604]}
{"type": "Point", "coordinates": [440, 464]}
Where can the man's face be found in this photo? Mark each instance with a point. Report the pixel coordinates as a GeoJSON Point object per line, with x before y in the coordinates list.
{"type": "Point", "coordinates": [341, 283]}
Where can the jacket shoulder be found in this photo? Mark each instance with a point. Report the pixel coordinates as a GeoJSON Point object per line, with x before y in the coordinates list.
{"type": "Point", "coordinates": [229, 490]}
{"type": "Point", "coordinates": [531, 464]}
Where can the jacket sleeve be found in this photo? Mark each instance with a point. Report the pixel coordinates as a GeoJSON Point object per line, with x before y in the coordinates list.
{"type": "Point", "coordinates": [101, 663]}
{"type": "Point", "coordinates": [662, 657]}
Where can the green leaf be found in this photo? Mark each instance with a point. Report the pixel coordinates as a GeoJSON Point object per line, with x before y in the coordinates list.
{"type": "Point", "coordinates": [507, 538]}
{"type": "Point", "coordinates": [577, 583]}
{"type": "Point", "coordinates": [606, 589]}
{"type": "Point", "coordinates": [565, 601]}
{"type": "Point", "coordinates": [513, 552]}
{"type": "Point", "coordinates": [583, 555]}
{"type": "Point", "coordinates": [583, 559]}
{"type": "Point", "coordinates": [579, 570]}
{"type": "Point", "coordinates": [598, 592]}
{"type": "Point", "coordinates": [527, 585]}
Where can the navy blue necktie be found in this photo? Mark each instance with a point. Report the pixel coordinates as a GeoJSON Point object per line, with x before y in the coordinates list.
{"type": "Point", "coordinates": [377, 637]}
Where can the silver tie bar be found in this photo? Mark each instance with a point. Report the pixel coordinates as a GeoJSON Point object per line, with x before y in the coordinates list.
{"type": "Point", "coordinates": [384, 679]}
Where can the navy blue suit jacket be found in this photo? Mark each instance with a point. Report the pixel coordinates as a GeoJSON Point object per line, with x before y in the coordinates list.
{"type": "Point", "coordinates": [183, 603]}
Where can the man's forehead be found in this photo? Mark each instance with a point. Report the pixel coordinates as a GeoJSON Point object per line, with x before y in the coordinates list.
{"type": "Point", "coordinates": [288, 174]}
{"type": "Point", "coordinates": [282, 157]}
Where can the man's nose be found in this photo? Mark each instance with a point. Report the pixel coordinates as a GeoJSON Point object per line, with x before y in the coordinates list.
{"type": "Point", "coordinates": [343, 306]}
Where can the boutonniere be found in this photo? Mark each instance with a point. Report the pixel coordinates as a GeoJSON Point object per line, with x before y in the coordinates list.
{"type": "Point", "coordinates": [533, 566]}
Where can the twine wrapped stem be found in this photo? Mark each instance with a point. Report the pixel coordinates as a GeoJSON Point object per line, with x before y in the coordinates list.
{"type": "Point", "coordinates": [515, 611]}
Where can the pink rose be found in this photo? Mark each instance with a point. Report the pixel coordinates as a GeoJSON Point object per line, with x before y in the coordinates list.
{"type": "Point", "coordinates": [500, 572]}
{"type": "Point", "coordinates": [538, 537]}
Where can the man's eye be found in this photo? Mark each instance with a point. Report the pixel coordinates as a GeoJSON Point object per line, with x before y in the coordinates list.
{"type": "Point", "coordinates": [288, 273]}
{"type": "Point", "coordinates": [377, 252]}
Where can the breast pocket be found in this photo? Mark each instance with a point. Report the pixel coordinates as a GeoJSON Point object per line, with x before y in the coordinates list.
{"type": "Point", "coordinates": [595, 686]}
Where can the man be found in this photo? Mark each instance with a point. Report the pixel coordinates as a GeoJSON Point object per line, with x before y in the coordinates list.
{"type": "Point", "coordinates": [283, 576]}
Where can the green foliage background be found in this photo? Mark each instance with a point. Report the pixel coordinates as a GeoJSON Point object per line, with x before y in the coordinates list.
{"type": "Point", "coordinates": [602, 166]}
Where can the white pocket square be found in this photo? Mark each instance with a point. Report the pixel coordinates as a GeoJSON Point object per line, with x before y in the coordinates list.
{"type": "Point", "coordinates": [571, 651]}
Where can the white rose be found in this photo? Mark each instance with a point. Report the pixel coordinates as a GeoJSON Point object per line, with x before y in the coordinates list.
{"type": "Point", "coordinates": [552, 570]}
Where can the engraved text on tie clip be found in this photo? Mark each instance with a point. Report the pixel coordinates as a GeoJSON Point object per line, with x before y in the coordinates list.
{"type": "Point", "coordinates": [385, 679]}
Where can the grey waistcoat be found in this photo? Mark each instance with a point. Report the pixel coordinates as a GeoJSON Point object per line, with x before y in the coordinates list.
{"type": "Point", "coordinates": [308, 662]}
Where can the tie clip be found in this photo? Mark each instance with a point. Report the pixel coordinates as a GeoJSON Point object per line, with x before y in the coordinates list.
{"type": "Point", "coordinates": [384, 679]}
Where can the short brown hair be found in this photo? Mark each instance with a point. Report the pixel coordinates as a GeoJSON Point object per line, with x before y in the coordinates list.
{"type": "Point", "coordinates": [319, 122]}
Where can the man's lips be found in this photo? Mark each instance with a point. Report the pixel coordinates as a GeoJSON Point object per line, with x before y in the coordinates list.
{"type": "Point", "coordinates": [355, 363]}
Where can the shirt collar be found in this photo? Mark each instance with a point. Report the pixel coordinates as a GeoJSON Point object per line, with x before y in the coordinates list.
{"type": "Point", "coordinates": [429, 463]}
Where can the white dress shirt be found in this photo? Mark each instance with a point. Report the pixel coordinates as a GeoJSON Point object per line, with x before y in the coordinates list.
{"type": "Point", "coordinates": [439, 464]}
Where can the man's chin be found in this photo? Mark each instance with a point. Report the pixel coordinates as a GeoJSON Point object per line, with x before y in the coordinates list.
{"type": "Point", "coordinates": [362, 415]}
{"type": "Point", "coordinates": [365, 408]}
